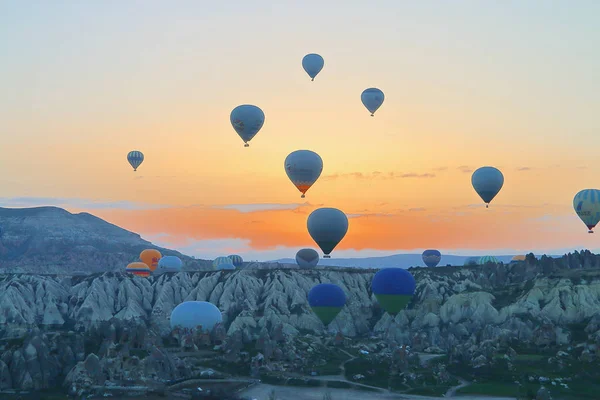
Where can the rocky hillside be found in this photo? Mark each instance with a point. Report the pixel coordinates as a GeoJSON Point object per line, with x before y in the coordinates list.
{"type": "Point", "coordinates": [54, 241]}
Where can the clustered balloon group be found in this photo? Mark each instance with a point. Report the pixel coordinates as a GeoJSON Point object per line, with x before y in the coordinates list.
{"type": "Point", "coordinates": [393, 287]}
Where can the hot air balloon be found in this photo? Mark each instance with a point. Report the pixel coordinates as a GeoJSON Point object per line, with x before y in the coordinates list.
{"type": "Point", "coordinates": [517, 258]}
{"type": "Point", "coordinates": [587, 206]}
{"type": "Point", "coordinates": [487, 182]}
{"type": "Point", "coordinates": [169, 264]}
{"type": "Point", "coordinates": [372, 98]}
{"type": "Point", "coordinates": [303, 167]}
{"type": "Point", "coordinates": [488, 259]}
{"type": "Point", "coordinates": [327, 227]}
{"type": "Point", "coordinates": [247, 121]}
{"type": "Point", "coordinates": [138, 269]}
{"type": "Point", "coordinates": [150, 257]}
{"type": "Point", "coordinates": [313, 64]}
{"type": "Point", "coordinates": [307, 258]}
{"type": "Point", "coordinates": [221, 260]}
{"type": "Point", "coordinates": [431, 258]}
{"type": "Point", "coordinates": [326, 300]}
{"type": "Point", "coordinates": [135, 158]}
{"type": "Point", "coordinates": [225, 266]}
{"type": "Point", "coordinates": [194, 314]}
{"type": "Point", "coordinates": [236, 260]}
{"type": "Point", "coordinates": [393, 288]}
{"type": "Point", "coordinates": [471, 261]}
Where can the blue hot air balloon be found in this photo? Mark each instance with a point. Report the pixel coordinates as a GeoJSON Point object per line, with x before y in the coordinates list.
{"type": "Point", "coordinates": [327, 227]}
{"type": "Point", "coordinates": [587, 206]}
{"type": "Point", "coordinates": [307, 258]}
{"type": "Point", "coordinates": [471, 261]}
{"type": "Point", "coordinates": [221, 260]}
{"type": "Point", "coordinates": [313, 64]}
{"type": "Point", "coordinates": [393, 288]}
{"type": "Point", "coordinates": [487, 182]}
{"type": "Point", "coordinates": [236, 260]}
{"type": "Point", "coordinates": [169, 264]}
{"type": "Point", "coordinates": [226, 266]}
{"type": "Point", "coordinates": [303, 167]}
{"type": "Point", "coordinates": [431, 258]}
{"type": "Point", "coordinates": [372, 98]}
{"type": "Point", "coordinates": [194, 314]}
{"type": "Point", "coordinates": [247, 121]}
{"type": "Point", "coordinates": [326, 300]}
{"type": "Point", "coordinates": [135, 158]}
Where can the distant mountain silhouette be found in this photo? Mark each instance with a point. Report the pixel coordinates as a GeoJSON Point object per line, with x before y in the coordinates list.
{"type": "Point", "coordinates": [52, 240]}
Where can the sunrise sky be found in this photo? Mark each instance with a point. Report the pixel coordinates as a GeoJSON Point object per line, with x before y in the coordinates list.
{"type": "Point", "coordinates": [511, 84]}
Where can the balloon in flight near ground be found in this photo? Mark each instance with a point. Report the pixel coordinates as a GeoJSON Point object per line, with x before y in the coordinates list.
{"type": "Point", "coordinates": [303, 167]}
{"type": "Point", "coordinates": [236, 260]}
{"type": "Point", "coordinates": [150, 257]}
{"type": "Point", "coordinates": [135, 158]}
{"type": "Point", "coordinates": [326, 301]}
{"type": "Point", "coordinates": [221, 260]}
{"type": "Point", "coordinates": [431, 258]}
{"type": "Point", "coordinates": [327, 227]}
{"type": "Point", "coordinates": [587, 206]}
{"type": "Point", "coordinates": [372, 99]}
{"type": "Point", "coordinates": [393, 288]}
{"type": "Point", "coordinates": [247, 121]}
{"type": "Point", "coordinates": [307, 258]}
{"type": "Point", "coordinates": [226, 266]}
{"type": "Point", "coordinates": [169, 264]}
{"type": "Point", "coordinates": [194, 314]}
{"type": "Point", "coordinates": [487, 182]}
{"type": "Point", "coordinates": [138, 269]}
{"type": "Point", "coordinates": [471, 261]}
{"type": "Point", "coordinates": [313, 64]}
{"type": "Point", "coordinates": [518, 258]}
{"type": "Point", "coordinates": [488, 259]}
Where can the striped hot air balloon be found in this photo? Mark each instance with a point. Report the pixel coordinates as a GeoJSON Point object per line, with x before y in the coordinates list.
{"type": "Point", "coordinates": [326, 300]}
{"type": "Point", "coordinates": [138, 269]}
{"type": "Point", "coordinates": [431, 258]}
{"type": "Point", "coordinates": [135, 158]}
{"type": "Point", "coordinates": [236, 260]}
{"type": "Point", "coordinates": [587, 206]}
{"type": "Point", "coordinates": [393, 288]}
{"type": "Point", "coordinates": [488, 259]}
{"type": "Point", "coordinates": [221, 260]}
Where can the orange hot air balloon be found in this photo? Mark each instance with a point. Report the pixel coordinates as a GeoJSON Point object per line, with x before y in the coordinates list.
{"type": "Point", "coordinates": [150, 257]}
{"type": "Point", "coordinates": [138, 269]}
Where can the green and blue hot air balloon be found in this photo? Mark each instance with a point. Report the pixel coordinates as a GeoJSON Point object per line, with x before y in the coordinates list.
{"type": "Point", "coordinates": [135, 159]}
{"type": "Point", "coordinates": [587, 206]}
{"type": "Point", "coordinates": [236, 260]}
{"type": "Point", "coordinates": [313, 64]}
{"type": "Point", "coordinates": [393, 288]}
{"type": "Point", "coordinates": [487, 182]}
{"type": "Point", "coordinates": [221, 260]}
{"type": "Point", "coordinates": [327, 227]}
{"type": "Point", "coordinates": [488, 259]}
{"type": "Point", "coordinates": [431, 258]}
{"type": "Point", "coordinates": [326, 300]}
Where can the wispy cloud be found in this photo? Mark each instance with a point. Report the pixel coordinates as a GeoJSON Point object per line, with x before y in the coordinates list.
{"type": "Point", "coordinates": [367, 214]}
{"type": "Point", "coordinates": [378, 175]}
{"type": "Point", "coordinates": [416, 209]}
{"type": "Point", "coordinates": [465, 169]}
{"type": "Point", "coordinates": [524, 169]}
{"type": "Point", "coordinates": [84, 204]}
{"type": "Point", "coordinates": [248, 208]}
{"type": "Point", "coordinates": [439, 169]}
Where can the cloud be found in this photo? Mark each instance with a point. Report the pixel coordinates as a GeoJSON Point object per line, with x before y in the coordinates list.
{"type": "Point", "coordinates": [378, 175]}
{"type": "Point", "coordinates": [524, 169]}
{"type": "Point", "coordinates": [440, 169]}
{"type": "Point", "coordinates": [365, 215]}
{"type": "Point", "coordinates": [248, 208]}
{"type": "Point", "coordinates": [417, 209]}
{"type": "Point", "coordinates": [85, 204]}
{"type": "Point", "coordinates": [465, 169]}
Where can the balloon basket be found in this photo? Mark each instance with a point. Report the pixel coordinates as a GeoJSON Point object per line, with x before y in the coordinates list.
{"type": "Point", "coordinates": [246, 145]}
{"type": "Point", "coordinates": [590, 231]}
{"type": "Point", "coordinates": [303, 196]}
{"type": "Point", "coordinates": [326, 256]}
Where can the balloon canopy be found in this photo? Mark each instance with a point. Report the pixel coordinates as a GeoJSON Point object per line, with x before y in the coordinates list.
{"type": "Point", "coordinates": [431, 258]}
{"type": "Point", "coordinates": [150, 257]}
{"type": "Point", "coordinates": [372, 99]}
{"type": "Point", "coordinates": [247, 120]}
{"type": "Point", "coordinates": [138, 269]}
{"type": "Point", "coordinates": [587, 206]}
{"type": "Point", "coordinates": [236, 260]}
{"type": "Point", "coordinates": [327, 227]}
{"type": "Point", "coordinates": [518, 258]}
{"type": "Point", "coordinates": [313, 64]}
{"type": "Point", "coordinates": [221, 260]}
{"type": "Point", "coordinates": [303, 167]}
{"type": "Point", "coordinates": [488, 259]}
{"type": "Point", "coordinates": [196, 315]}
{"type": "Point", "coordinates": [393, 288]}
{"type": "Point", "coordinates": [225, 266]}
{"type": "Point", "coordinates": [487, 182]}
{"type": "Point", "coordinates": [326, 300]}
{"type": "Point", "coordinates": [169, 264]}
{"type": "Point", "coordinates": [135, 158]}
{"type": "Point", "coordinates": [471, 261]}
{"type": "Point", "coordinates": [307, 258]}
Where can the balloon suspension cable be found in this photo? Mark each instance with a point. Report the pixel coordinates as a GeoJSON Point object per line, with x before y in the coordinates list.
{"type": "Point", "coordinates": [303, 196]}
{"type": "Point", "coordinates": [246, 145]}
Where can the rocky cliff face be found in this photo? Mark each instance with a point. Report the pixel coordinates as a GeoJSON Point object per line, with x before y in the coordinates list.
{"type": "Point", "coordinates": [52, 240]}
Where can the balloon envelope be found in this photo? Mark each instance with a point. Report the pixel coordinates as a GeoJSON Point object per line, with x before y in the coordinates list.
{"type": "Point", "coordinates": [135, 158]}
{"type": "Point", "coordinates": [487, 182]}
{"type": "Point", "coordinates": [372, 99]}
{"type": "Point", "coordinates": [150, 257]}
{"type": "Point", "coordinates": [307, 258]}
{"type": "Point", "coordinates": [431, 258]}
{"type": "Point", "coordinates": [303, 167]}
{"type": "Point", "coordinates": [138, 269]}
{"type": "Point", "coordinates": [221, 260]}
{"type": "Point", "coordinates": [226, 266]}
{"type": "Point", "coordinates": [326, 300]}
{"type": "Point", "coordinates": [488, 259]}
{"type": "Point", "coordinates": [169, 264]}
{"type": "Point", "coordinates": [393, 288]}
{"type": "Point", "coordinates": [194, 314]}
{"type": "Point", "coordinates": [313, 64]}
{"type": "Point", "coordinates": [518, 258]}
{"type": "Point", "coordinates": [236, 260]}
{"type": "Point", "coordinates": [247, 120]}
{"type": "Point", "coordinates": [471, 261]}
{"type": "Point", "coordinates": [587, 206]}
{"type": "Point", "coordinates": [327, 227]}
